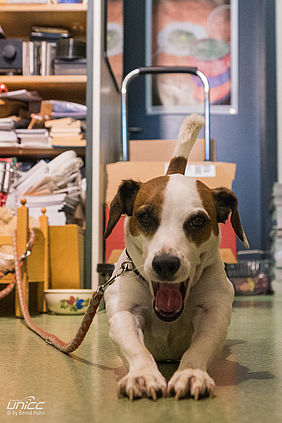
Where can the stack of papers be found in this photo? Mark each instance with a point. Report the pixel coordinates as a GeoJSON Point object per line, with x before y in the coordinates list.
{"type": "Point", "coordinates": [8, 137]}
{"type": "Point", "coordinates": [54, 207]}
{"type": "Point", "coordinates": [55, 185]}
{"type": "Point", "coordinates": [22, 95]}
{"type": "Point", "coordinates": [33, 138]}
{"type": "Point", "coordinates": [62, 109]}
{"type": "Point", "coordinates": [66, 132]}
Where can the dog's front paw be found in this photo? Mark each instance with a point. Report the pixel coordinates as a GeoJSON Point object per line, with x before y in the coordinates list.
{"type": "Point", "coordinates": [142, 383]}
{"type": "Point", "coordinates": [194, 382]}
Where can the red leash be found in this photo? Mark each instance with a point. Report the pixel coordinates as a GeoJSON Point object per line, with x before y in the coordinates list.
{"type": "Point", "coordinates": [66, 347]}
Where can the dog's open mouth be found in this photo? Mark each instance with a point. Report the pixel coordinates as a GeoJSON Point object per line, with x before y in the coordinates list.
{"type": "Point", "coordinates": [169, 299]}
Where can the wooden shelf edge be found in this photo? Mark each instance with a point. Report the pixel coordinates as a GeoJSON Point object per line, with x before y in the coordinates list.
{"type": "Point", "coordinates": [26, 8]}
{"type": "Point", "coordinates": [39, 79]}
{"type": "Point", "coordinates": [38, 152]}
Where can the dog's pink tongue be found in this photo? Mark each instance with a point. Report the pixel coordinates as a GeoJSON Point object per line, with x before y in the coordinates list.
{"type": "Point", "coordinates": [168, 298]}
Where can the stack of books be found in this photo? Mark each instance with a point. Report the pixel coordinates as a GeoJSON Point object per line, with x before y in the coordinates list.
{"type": "Point", "coordinates": [40, 51]}
{"type": "Point", "coordinates": [70, 57]}
{"type": "Point", "coordinates": [70, 67]}
{"type": "Point", "coordinates": [276, 233]}
{"type": "Point", "coordinates": [66, 132]}
{"type": "Point", "coordinates": [33, 138]}
{"type": "Point", "coordinates": [8, 137]}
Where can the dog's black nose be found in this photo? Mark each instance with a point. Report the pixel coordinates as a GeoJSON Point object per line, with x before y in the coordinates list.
{"type": "Point", "coordinates": [166, 265]}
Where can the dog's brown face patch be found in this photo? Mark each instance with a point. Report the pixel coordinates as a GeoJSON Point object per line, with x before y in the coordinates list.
{"type": "Point", "coordinates": [208, 201]}
{"type": "Point", "coordinates": [148, 207]}
{"type": "Point", "coordinates": [199, 226]}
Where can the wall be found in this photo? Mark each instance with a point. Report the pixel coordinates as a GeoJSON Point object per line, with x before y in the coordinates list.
{"type": "Point", "coordinates": [248, 138]}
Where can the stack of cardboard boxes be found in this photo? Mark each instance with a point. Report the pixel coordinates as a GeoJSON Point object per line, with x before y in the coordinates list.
{"type": "Point", "coordinates": [149, 159]}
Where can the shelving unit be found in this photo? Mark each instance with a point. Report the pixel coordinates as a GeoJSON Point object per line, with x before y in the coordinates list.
{"type": "Point", "coordinates": [103, 101]}
{"type": "Point", "coordinates": [17, 21]}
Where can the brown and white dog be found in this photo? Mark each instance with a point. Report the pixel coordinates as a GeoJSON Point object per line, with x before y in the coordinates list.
{"type": "Point", "coordinates": [177, 304]}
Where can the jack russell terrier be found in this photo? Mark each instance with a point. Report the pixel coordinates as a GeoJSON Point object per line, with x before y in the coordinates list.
{"type": "Point", "coordinates": [176, 303]}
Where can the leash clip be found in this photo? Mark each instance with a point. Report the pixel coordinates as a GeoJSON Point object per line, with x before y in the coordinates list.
{"type": "Point", "coordinates": [126, 266]}
{"type": "Point", "coordinates": [25, 255]}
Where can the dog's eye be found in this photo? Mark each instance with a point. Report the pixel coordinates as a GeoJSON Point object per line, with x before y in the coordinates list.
{"type": "Point", "coordinates": [198, 221]}
{"type": "Point", "coordinates": [195, 222]}
{"type": "Point", "coordinates": [144, 219]}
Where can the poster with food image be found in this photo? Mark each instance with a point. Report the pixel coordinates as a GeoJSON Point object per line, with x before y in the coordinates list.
{"type": "Point", "coordinates": [193, 33]}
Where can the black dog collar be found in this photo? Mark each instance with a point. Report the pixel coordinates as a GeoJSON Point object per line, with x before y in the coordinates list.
{"type": "Point", "coordinates": [134, 268]}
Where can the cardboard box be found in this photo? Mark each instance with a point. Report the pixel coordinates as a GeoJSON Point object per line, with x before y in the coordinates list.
{"type": "Point", "coordinates": [161, 150]}
{"type": "Point", "coordinates": [66, 246]}
{"type": "Point", "coordinates": [213, 174]}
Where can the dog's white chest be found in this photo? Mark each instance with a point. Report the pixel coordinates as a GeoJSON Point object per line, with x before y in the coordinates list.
{"type": "Point", "coordinates": [168, 341]}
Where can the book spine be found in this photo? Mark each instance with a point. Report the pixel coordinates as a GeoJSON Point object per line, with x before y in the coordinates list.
{"type": "Point", "coordinates": [27, 53]}
{"type": "Point", "coordinates": [31, 58]}
{"type": "Point", "coordinates": [37, 48]}
{"type": "Point", "coordinates": [43, 58]}
{"type": "Point", "coordinates": [24, 54]}
{"type": "Point", "coordinates": [50, 55]}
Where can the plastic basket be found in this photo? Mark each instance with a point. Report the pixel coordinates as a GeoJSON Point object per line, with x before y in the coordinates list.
{"type": "Point", "coordinates": [251, 275]}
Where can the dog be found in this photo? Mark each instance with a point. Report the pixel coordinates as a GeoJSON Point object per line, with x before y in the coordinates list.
{"type": "Point", "coordinates": [176, 304]}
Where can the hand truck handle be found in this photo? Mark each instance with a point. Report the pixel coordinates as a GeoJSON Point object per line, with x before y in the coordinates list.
{"type": "Point", "coordinates": [168, 69]}
{"type": "Point", "coordinates": [159, 70]}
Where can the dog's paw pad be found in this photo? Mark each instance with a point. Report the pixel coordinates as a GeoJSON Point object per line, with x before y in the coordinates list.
{"type": "Point", "coordinates": [139, 385]}
{"type": "Point", "coordinates": [191, 382]}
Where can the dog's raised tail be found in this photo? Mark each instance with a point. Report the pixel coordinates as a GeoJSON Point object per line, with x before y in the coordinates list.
{"type": "Point", "coordinates": [186, 138]}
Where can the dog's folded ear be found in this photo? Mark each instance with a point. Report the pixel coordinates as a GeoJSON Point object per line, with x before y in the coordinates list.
{"type": "Point", "coordinates": [226, 203]}
{"type": "Point", "coordinates": [122, 203]}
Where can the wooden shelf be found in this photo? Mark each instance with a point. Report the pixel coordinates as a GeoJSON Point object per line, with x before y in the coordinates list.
{"type": "Point", "coordinates": [26, 8]}
{"type": "Point", "coordinates": [52, 87]}
{"type": "Point", "coordinates": [18, 19]}
{"type": "Point", "coordinates": [43, 80]}
{"type": "Point", "coordinates": [26, 153]}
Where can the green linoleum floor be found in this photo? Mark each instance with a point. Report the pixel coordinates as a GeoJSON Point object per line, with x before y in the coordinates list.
{"type": "Point", "coordinates": [82, 388]}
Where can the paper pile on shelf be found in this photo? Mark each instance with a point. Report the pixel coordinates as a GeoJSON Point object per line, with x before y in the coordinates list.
{"type": "Point", "coordinates": [33, 138]}
{"type": "Point", "coordinates": [55, 185]}
{"type": "Point", "coordinates": [21, 95]}
{"type": "Point", "coordinates": [66, 132]}
{"type": "Point", "coordinates": [61, 109]}
{"type": "Point", "coordinates": [8, 137]}
{"type": "Point", "coordinates": [54, 207]}
{"type": "Point", "coordinates": [276, 250]}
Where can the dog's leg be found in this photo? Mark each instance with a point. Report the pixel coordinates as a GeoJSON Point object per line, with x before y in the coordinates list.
{"type": "Point", "coordinates": [143, 378]}
{"type": "Point", "coordinates": [210, 323]}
